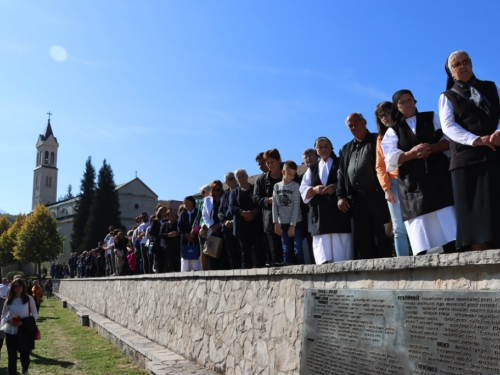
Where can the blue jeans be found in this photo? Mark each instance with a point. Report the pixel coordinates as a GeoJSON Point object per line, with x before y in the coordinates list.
{"type": "Point", "coordinates": [294, 243]}
{"type": "Point", "coordinates": [398, 226]}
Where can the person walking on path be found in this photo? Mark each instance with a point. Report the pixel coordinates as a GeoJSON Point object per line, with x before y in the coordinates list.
{"type": "Point", "coordinates": [37, 294]}
{"type": "Point", "coordinates": [19, 338]}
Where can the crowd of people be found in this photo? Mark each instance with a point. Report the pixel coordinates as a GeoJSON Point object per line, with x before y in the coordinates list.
{"type": "Point", "coordinates": [424, 183]}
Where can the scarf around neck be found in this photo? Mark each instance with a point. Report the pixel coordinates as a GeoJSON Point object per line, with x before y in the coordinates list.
{"type": "Point", "coordinates": [475, 95]}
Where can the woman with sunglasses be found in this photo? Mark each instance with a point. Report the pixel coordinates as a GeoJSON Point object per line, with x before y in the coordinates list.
{"type": "Point", "coordinates": [389, 181]}
{"type": "Point", "coordinates": [210, 215]}
{"type": "Point", "coordinates": [470, 112]}
{"type": "Point", "coordinates": [19, 305]}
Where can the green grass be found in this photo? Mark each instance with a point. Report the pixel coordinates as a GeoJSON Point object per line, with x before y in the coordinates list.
{"type": "Point", "coordinates": [67, 348]}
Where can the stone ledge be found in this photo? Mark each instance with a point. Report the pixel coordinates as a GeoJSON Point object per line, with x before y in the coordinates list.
{"type": "Point", "coordinates": [157, 359]}
{"type": "Point", "coordinates": [470, 258]}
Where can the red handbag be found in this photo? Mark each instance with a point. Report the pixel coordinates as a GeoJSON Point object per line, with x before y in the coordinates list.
{"type": "Point", "coordinates": [38, 335]}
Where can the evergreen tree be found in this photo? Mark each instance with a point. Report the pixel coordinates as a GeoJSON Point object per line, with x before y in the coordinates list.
{"type": "Point", "coordinates": [8, 241]}
{"type": "Point", "coordinates": [105, 209]}
{"type": "Point", "coordinates": [39, 240]}
{"type": "Point", "coordinates": [83, 206]}
{"type": "Point", "coordinates": [69, 193]}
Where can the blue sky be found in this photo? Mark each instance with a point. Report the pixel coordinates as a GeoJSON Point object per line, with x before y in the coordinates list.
{"type": "Point", "coordinates": [184, 91]}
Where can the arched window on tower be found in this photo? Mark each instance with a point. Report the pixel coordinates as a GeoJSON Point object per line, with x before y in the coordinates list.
{"type": "Point", "coordinates": [36, 181]}
{"type": "Point", "coordinates": [46, 157]}
{"type": "Point", "coordinates": [37, 159]}
{"type": "Point", "coordinates": [52, 157]}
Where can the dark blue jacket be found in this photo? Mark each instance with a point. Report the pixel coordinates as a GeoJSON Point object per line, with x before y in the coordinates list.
{"type": "Point", "coordinates": [224, 212]}
{"type": "Point", "coordinates": [235, 210]}
{"type": "Point", "coordinates": [184, 225]}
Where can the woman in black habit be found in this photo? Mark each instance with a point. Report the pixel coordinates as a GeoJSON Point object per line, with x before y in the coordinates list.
{"type": "Point", "coordinates": [415, 144]}
{"type": "Point", "coordinates": [470, 112]}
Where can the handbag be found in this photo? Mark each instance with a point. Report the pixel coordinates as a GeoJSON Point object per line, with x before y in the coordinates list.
{"type": "Point", "coordinates": [196, 228]}
{"type": "Point", "coordinates": [37, 335]}
{"type": "Point", "coordinates": [190, 251]}
{"type": "Point", "coordinates": [213, 246]}
{"type": "Point", "coordinates": [203, 231]}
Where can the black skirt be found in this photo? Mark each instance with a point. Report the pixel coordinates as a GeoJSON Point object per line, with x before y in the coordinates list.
{"type": "Point", "coordinates": [477, 203]}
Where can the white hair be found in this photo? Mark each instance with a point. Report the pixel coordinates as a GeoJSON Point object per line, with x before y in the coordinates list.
{"type": "Point", "coordinates": [240, 170]}
{"type": "Point", "coordinates": [452, 56]}
{"type": "Point", "coordinates": [205, 188]}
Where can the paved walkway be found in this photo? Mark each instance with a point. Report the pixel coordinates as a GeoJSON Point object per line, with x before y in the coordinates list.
{"type": "Point", "coordinates": [156, 358]}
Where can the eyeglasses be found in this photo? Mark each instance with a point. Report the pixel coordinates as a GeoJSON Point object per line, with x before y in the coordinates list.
{"type": "Point", "coordinates": [457, 64]}
{"type": "Point", "coordinates": [216, 189]}
{"type": "Point", "coordinates": [17, 286]}
{"type": "Point", "coordinates": [231, 179]}
{"type": "Point", "coordinates": [383, 115]}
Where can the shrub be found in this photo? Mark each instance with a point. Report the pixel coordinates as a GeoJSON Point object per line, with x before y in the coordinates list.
{"type": "Point", "coordinates": [10, 275]}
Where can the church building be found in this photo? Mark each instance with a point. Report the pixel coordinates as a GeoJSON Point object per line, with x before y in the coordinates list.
{"type": "Point", "coordinates": [135, 196]}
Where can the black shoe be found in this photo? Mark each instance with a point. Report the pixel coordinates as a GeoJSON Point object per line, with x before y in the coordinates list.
{"type": "Point", "coordinates": [269, 264]}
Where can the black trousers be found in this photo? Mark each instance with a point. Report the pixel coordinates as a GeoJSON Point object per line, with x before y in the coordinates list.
{"type": "Point", "coordinates": [370, 213]}
{"type": "Point", "coordinates": [173, 257]}
{"type": "Point", "coordinates": [232, 247]}
{"type": "Point", "coordinates": [160, 260]}
{"type": "Point", "coordinates": [146, 267]}
{"type": "Point", "coordinates": [275, 248]}
{"type": "Point", "coordinates": [250, 236]}
{"type": "Point", "coordinates": [11, 341]}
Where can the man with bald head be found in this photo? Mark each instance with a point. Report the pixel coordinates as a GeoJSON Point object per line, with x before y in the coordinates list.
{"type": "Point", "coordinates": [359, 191]}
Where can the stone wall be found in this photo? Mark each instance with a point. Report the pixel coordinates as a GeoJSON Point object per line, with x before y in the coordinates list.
{"type": "Point", "coordinates": [250, 321]}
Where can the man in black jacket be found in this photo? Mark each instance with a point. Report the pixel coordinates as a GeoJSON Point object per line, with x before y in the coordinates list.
{"type": "Point", "coordinates": [359, 191]}
{"type": "Point", "coordinates": [263, 197]}
{"type": "Point", "coordinates": [227, 221]}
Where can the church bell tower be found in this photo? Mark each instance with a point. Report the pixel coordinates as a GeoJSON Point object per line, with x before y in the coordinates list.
{"type": "Point", "coordinates": [45, 173]}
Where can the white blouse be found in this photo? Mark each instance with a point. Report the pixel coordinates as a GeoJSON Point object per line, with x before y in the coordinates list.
{"type": "Point", "coordinates": [17, 308]}
{"type": "Point", "coordinates": [306, 183]}
{"type": "Point", "coordinates": [454, 131]}
{"type": "Point", "coordinates": [207, 212]}
{"type": "Point", "coordinates": [390, 143]}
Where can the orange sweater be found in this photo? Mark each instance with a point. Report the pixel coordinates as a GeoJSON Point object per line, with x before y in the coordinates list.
{"type": "Point", "coordinates": [37, 294]}
{"type": "Point", "coordinates": [384, 177]}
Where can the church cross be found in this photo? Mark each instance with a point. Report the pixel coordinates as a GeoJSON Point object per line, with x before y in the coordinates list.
{"type": "Point", "coordinates": [50, 114]}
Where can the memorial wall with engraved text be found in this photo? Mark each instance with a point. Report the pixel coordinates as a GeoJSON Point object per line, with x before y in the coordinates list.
{"type": "Point", "coordinates": [435, 314]}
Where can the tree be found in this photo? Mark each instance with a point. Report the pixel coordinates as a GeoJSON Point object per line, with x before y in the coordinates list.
{"type": "Point", "coordinates": [69, 194]}
{"type": "Point", "coordinates": [105, 209]}
{"type": "Point", "coordinates": [8, 241]}
{"type": "Point", "coordinates": [5, 224]}
{"type": "Point", "coordinates": [11, 218]}
{"type": "Point", "coordinates": [39, 239]}
{"type": "Point", "coordinates": [83, 206]}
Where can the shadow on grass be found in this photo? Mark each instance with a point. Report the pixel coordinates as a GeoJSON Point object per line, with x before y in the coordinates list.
{"type": "Point", "coordinates": [47, 318]}
{"type": "Point", "coordinates": [40, 361]}
{"type": "Point", "coordinates": [35, 358]}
